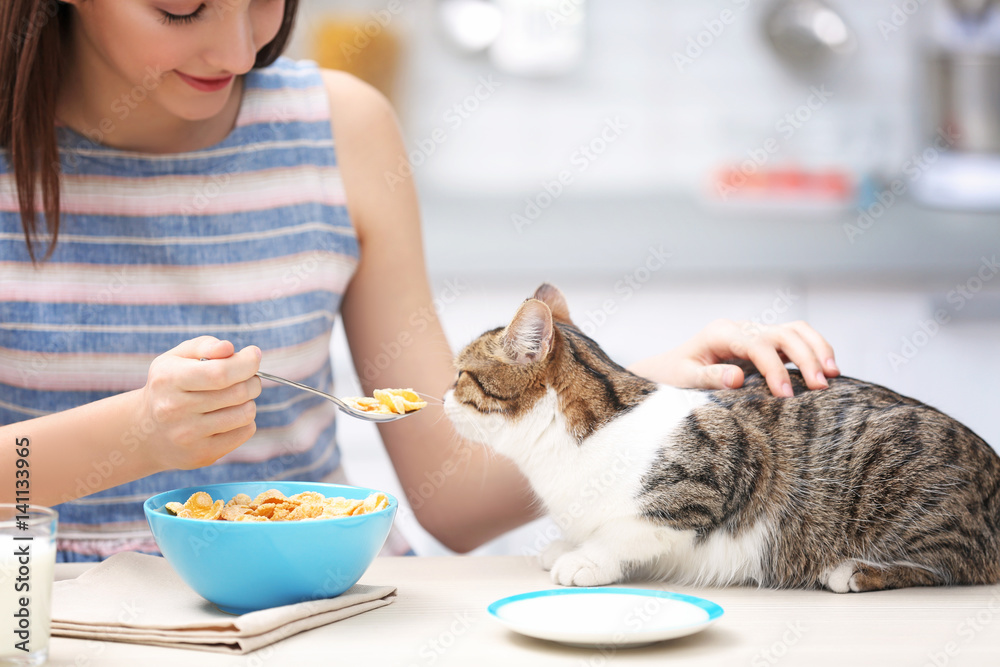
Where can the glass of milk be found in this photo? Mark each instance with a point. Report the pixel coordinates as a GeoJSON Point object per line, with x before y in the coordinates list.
{"type": "Point", "coordinates": [27, 561]}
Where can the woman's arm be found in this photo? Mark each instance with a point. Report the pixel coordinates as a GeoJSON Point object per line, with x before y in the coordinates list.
{"type": "Point", "coordinates": [188, 414]}
{"type": "Point", "coordinates": [389, 317]}
{"type": "Point", "coordinates": [396, 339]}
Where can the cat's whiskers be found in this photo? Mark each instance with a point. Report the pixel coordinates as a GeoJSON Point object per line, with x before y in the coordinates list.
{"type": "Point", "coordinates": [435, 400]}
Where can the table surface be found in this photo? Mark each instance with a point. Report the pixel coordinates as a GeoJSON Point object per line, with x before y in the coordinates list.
{"type": "Point", "coordinates": [439, 618]}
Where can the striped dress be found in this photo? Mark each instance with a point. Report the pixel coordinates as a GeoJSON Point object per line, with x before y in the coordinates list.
{"type": "Point", "coordinates": [248, 240]}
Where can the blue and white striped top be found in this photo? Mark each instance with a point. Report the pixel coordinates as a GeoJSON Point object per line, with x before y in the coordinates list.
{"type": "Point", "coordinates": [248, 240]}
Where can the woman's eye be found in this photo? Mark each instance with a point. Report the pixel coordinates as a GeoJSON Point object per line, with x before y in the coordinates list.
{"type": "Point", "coordinates": [182, 18]}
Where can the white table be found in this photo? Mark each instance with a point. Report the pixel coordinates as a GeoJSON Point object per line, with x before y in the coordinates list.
{"type": "Point", "coordinates": [440, 618]}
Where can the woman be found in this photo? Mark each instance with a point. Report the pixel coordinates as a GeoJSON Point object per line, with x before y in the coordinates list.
{"type": "Point", "coordinates": [169, 183]}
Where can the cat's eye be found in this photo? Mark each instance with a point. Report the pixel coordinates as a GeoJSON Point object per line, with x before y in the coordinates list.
{"type": "Point", "coordinates": [174, 19]}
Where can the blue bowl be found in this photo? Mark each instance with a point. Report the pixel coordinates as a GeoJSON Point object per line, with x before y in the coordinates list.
{"type": "Point", "coordinates": [246, 566]}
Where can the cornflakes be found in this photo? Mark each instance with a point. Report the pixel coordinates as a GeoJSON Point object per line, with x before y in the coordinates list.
{"type": "Point", "coordinates": [198, 506]}
{"type": "Point", "coordinates": [388, 402]}
{"type": "Point", "coordinates": [239, 499]}
{"type": "Point", "coordinates": [272, 505]}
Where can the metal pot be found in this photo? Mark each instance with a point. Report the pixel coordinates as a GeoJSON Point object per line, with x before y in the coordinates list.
{"type": "Point", "coordinates": [964, 99]}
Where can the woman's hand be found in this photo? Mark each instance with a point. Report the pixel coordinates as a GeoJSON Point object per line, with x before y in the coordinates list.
{"type": "Point", "coordinates": [193, 412]}
{"type": "Point", "coordinates": [700, 362]}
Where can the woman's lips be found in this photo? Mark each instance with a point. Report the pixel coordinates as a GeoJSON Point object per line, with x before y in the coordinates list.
{"type": "Point", "coordinates": [205, 85]}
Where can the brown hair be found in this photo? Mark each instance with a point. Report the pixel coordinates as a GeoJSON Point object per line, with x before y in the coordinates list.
{"type": "Point", "coordinates": [30, 64]}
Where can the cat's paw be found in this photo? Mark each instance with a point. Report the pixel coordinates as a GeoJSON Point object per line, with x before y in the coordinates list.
{"type": "Point", "coordinates": [576, 569]}
{"type": "Point", "coordinates": [840, 579]}
{"type": "Point", "coordinates": [552, 552]}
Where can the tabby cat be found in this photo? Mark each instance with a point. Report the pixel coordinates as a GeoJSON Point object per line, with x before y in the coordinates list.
{"type": "Point", "coordinates": [854, 488]}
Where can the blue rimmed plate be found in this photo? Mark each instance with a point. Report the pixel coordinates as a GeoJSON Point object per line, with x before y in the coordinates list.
{"type": "Point", "coordinates": [605, 616]}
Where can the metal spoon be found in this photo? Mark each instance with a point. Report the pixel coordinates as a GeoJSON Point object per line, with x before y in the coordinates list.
{"type": "Point", "coordinates": [344, 407]}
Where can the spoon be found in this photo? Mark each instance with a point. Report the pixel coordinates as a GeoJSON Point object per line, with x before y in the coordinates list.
{"type": "Point", "coordinates": [344, 407]}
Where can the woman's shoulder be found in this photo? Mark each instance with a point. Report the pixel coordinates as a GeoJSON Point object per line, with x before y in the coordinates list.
{"type": "Point", "coordinates": [370, 148]}
{"type": "Point", "coordinates": [348, 91]}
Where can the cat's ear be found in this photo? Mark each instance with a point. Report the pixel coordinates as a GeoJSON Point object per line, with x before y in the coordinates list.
{"type": "Point", "coordinates": [528, 337]}
{"type": "Point", "coordinates": [554, 299]}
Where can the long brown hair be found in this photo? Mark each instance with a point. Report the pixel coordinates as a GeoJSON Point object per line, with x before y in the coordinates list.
{"type": "Point", "coordinates": [30, 64]}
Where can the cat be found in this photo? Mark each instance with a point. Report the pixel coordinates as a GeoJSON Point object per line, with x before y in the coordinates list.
{"type": "Point", "coordinates": [852, 488]}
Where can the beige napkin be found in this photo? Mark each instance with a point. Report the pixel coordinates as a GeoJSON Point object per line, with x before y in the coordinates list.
{"type": "Point", "coordinates": [137, 598]}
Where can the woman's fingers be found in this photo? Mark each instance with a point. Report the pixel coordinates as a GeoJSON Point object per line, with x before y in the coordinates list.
{"type": "Point", "coordinates": [200, 398]}
{"type": "Point", "coordinates": [230, 419]}
{"type": "Point", "coordinates": [770, 347]}
{"type": "Point", "coordinates": [770, 365]}
{"type": "Point", "coordinates": [797, 350]}
{"type": "Point", "coordinates": [821, 348]}
{"type": "Point", "coordinates": [203, 347]}
{"type": "Point", "coordinates": [716, 376]}
{"type": "Point", "coordinates": [209, 401]}
{"type": "Point", "coordinates": [702, 361]}
{"type": "Point", "coordinates": [217, 446]}
{"type": "Point", "coordinates": [215, 373]}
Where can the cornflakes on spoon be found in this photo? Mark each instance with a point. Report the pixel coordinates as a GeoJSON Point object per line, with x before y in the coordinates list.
{"type": "Point", "coordinates": [388, 402]}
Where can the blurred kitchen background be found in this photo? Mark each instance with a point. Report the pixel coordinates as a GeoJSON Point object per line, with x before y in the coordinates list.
{"type": "Point", "coordinates": [670, 162]}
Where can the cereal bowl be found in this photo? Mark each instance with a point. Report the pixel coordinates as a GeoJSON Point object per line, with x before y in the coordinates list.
{"type": "Point", "coordinates": [246, 566]}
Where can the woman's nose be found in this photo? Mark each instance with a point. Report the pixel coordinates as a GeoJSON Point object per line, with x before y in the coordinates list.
{"type": "Point", "coordinates": [233, 49]}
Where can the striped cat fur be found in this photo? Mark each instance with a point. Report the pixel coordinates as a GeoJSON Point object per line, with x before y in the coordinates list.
{"type": "Point", "coordinates": [853, 488]}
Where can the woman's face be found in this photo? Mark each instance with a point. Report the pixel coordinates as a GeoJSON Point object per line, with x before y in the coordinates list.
{"type": "Point", "coordinates": [180, 54]}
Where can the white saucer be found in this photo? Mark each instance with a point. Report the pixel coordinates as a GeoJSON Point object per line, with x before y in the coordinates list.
{"type": "Point", "coordinates": [613, 617]}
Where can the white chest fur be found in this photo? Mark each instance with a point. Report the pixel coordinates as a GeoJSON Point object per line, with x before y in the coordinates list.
{"type": "Point", "coordinates": [588, 484]}
{"type": "Point", "coordinates": [590, 489]}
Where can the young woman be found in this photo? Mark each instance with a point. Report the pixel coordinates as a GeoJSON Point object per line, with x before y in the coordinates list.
{"type": "Point", "coordinates": [171, 191]}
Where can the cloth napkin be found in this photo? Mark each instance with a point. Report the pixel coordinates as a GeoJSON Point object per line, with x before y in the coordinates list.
{"type": "Point", "coordinates": [137, 598]}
